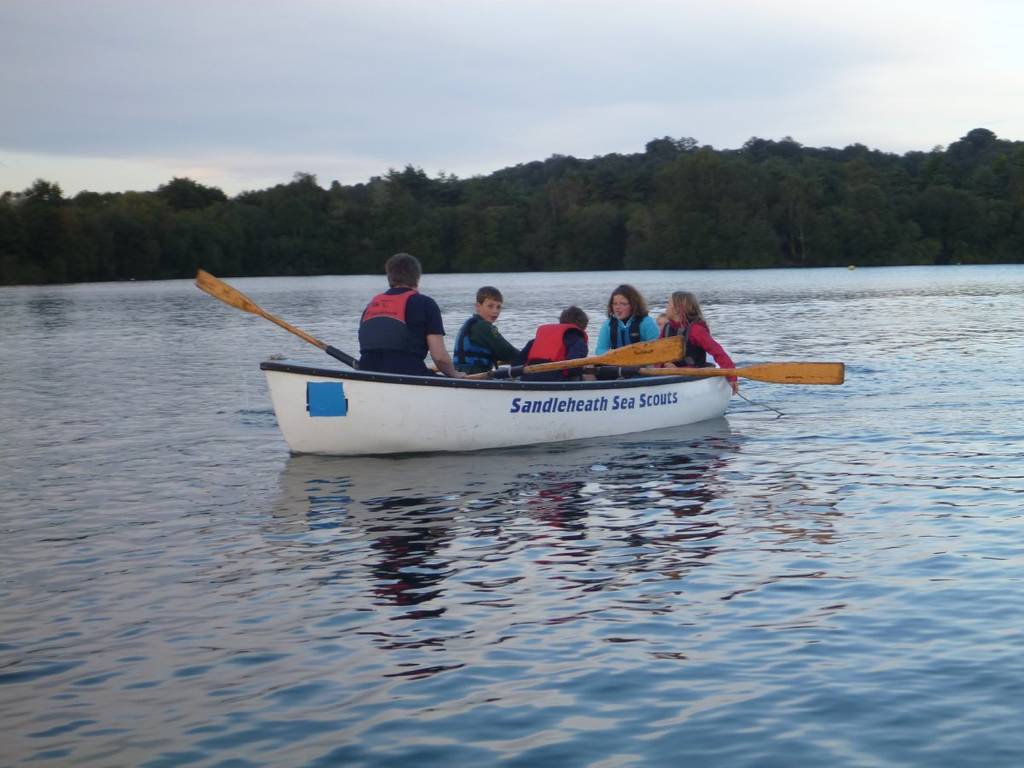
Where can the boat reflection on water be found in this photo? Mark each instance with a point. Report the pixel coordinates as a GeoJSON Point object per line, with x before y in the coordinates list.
{"type": "Point", "coordinates": [410, 523]}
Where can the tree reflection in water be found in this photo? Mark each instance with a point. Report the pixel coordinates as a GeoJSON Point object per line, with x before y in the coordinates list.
{"type": "Point", "coordinates": [411, 523]}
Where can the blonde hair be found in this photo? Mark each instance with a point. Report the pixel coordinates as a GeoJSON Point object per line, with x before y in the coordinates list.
{"type": "Point", "coordinates": [688, 308]}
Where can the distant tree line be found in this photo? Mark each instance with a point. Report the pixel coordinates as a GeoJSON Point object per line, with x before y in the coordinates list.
{"type": "Point", "coordinates": [677, 205]}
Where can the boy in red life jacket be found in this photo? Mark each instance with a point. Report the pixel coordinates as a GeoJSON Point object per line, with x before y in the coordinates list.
{"type": "Point", "coordinates": [398, 327]}
{"type": "Point", "coordinates": [564, 340]}
{"type": "Point", "coordinates": [686, 319]}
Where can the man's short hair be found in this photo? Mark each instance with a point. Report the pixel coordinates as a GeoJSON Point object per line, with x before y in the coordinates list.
{"type": "Point", "coordinates": [574, 316]}
{"type": "Point", "coordinates": [488, 292]}
{"type": "Point", "coordinates": [403, 271]}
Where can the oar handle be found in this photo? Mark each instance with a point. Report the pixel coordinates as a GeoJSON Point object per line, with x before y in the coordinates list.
{"type": "Point", "coordinates": [334, 352]}
{"type": "Point", "coordinates": [510, 372]}
{"type": "Point", "coordinates": [337, 354]}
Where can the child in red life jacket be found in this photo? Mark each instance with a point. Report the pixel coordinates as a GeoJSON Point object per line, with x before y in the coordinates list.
{"type": "Point", "coordinates": [564, 340]}
{"type": "Point", "coordinates": [686, 319]}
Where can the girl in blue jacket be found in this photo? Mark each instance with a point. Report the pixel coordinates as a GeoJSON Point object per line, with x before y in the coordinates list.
{"type": "Point", "coordinates": [628, 321]}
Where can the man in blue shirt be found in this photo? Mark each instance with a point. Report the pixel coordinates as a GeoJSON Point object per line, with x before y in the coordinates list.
{"type": "Point", "coordinates": [400, 326]}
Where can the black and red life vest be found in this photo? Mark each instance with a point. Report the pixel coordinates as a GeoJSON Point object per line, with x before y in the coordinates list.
{"type": "Point", "coordinates": [383, 328]}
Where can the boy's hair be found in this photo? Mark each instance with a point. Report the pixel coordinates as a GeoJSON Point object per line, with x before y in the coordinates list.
{"type": "Point", "coordinates": [634, 297]}
{"type": "Point", "coordinates": [488, 292]}
{"type": "Point", "coordinates": [574, 316]}
{"type": "Point", "coordinates": [403, 271]}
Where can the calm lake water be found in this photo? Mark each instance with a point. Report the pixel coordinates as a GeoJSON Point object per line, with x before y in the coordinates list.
{"type": "Point", "coordinates": [839, 586]}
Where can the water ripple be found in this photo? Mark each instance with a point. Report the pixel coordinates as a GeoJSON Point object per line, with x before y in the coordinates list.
{"type": "Point", "coordinates": [837, 586]}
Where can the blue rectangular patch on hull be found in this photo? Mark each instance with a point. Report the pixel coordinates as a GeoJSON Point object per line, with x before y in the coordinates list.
{"type": "Point", "coordinates": [326, 398]}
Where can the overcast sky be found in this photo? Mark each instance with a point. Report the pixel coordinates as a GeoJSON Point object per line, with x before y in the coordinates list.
{"type": "Point", "coordinates": [111, 95]}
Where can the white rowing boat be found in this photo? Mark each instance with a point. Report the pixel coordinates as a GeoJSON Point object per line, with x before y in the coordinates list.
{"type": "Point", "coordinates": [333, 411]}
{"type": "Point", "coordinates": [350, 412]}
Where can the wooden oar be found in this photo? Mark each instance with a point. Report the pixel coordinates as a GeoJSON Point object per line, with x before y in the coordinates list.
{"type": "Point", "coordinates": [232, 296]}
{"type": "Point", "coordinates": [643, 353]}
{"type": "Point", "coordinates": [775, 373]}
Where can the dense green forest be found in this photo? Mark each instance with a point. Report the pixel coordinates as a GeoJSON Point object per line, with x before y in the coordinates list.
{"type": "Point", "coordinates": [676, 205]}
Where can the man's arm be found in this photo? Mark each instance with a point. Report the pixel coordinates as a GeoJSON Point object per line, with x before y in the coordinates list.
{"type": "Point", "coordinates": [442, 360]}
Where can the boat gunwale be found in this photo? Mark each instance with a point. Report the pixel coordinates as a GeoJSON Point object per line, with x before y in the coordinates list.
{"type": "Point", "coordinates": [442, 381]}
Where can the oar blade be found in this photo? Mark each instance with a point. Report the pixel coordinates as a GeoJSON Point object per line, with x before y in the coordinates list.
{"type": "Point", "coordinates": [635, 355]}
{"type": "Point", "coordinates": [221, 290]}
{"type": "Point", "coordinates": [642, 353]}
{"type": "Point", "coordinates": [799, 373]}
{"type": "Point", "coordinates": [773, 373]}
